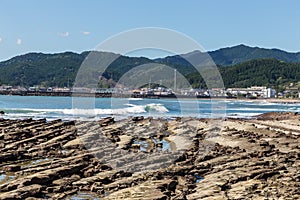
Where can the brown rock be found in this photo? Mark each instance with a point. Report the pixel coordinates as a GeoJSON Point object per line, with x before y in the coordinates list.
{"type": "Point", "coordinates": [11, 168]}
{"type": "Point", "coordinates": [22, 193]}
{"type": "Point", "coordinates": [106, 121]}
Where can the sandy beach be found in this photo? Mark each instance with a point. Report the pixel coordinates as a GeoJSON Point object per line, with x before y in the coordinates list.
{"type": "Point", "coordinates": [278, 100]}
{"type": "Point", "coordinates": [269, 100]}
{"type": "Point", "coordinates": [145, 158]}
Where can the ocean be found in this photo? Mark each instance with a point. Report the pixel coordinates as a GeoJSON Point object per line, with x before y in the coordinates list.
{"type": "Point", "coordinates": [74, 108]}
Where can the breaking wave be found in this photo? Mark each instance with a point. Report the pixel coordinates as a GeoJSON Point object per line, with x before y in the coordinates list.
{"type": "Point", "coordinates": [130, 109]}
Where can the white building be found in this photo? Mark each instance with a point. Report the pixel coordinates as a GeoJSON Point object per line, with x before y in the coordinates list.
{"type": "Point", "coordinates": [253, 91]}
{"type": "Point", "coordinates": [270, 93]}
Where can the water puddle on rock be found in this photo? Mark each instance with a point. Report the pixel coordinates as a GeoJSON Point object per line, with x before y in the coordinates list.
{"type": "Point", "coordinates": [151, 144]}
{"type": "Point", "coordinates": [143, 145]}
{"type": "Point", "coordinates": [164, 145]}
{"type": "Point", "coordinates": [6, 178]}
{"type": "Point", "coordinates": [64, 152]}
{"type": "Point", "coordinates": [29, 164]}
{"type": "Point", "coordinates": [83, 196]}
{"type": "Point", "coordinates": [39, 161]}
{"type": "Point", "coordinates": [199, 178]}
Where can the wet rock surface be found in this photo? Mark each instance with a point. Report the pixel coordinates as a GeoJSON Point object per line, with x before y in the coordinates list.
{"type": "Point", "coordinates": [145, 158]}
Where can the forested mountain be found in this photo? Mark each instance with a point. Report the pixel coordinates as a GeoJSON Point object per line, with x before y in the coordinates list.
{"type": "Point", "coordinates": [240, 66]}
{"type": "Point", "coordinates": [59, 69]}
{"type": "Point", "coordinates": [235, 55]}
{"type": "Point", "coordinates": [258, 72]}
{"type": "Point", "coordinates": [242, 53]}
{"type": "Point", "coordinates": [40, 69]}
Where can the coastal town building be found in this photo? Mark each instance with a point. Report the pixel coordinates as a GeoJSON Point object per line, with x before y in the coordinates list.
{"type": "Point", "coordinates": [254, 91]}
{"type": "Point", "coordinates": [249, 92]}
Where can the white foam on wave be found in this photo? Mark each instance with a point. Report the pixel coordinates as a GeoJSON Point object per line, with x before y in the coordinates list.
{"type": "Point", "coordinates": [135, 99]}
{"type": "Point", "coordinates": [156, 107]}
{"type": "Point", "coordinates": [267, 103]}
{"type": "Point", "coordinates": [243, 115]}
{"type": "Point", "coordinates": [130, 109]}
{"type": "Point", "coordinates": [264, 109]}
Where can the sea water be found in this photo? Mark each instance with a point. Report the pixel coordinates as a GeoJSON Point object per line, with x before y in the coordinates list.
{"type": "Point", "coordinates": [69, 108]}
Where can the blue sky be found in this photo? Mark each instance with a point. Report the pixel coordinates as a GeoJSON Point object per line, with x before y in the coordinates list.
{"type": "Point", "coordinates": [78, 25]}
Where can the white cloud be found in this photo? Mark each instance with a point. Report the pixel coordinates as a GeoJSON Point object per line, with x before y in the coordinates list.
{"type": "Point", "coordinates": [64, 34]}
{"type": "Point", "coordinates": [86, 32]}
{"type": "Point", "coordinates": [19, 41]}
{"type": "Point", "coordinates": [0, 39]}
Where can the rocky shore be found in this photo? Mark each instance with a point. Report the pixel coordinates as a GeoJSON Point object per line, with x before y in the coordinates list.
{"type": "Point", "coordinates": [146, 158]}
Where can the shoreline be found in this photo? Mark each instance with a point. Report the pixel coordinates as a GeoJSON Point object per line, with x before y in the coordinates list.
{"type": "Point", "coordinates": [137, 157]}
{"type": "Point", "coordinates": [110, 95]}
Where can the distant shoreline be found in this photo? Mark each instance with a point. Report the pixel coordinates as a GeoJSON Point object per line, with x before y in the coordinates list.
{"type": "Point", "coordinates": [276, 100]}
{"type": "Point", "coordinates": [121, 95]}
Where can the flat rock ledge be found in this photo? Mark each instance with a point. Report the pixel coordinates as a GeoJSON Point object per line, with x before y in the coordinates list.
{"type": "Point", "coordinates": [146, 158]}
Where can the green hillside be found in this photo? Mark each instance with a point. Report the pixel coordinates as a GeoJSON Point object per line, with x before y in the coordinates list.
{"type": "Point", "coordinates": [241, 53]}
{"type": "Point", "coordinates": [235, 55]}
{"type": "Point", "coordinates": [260, 72]}
{"type": "Point", "coordinates": [59, 69]}
{"type": "Point", "coordinates": [40, 69]}
{"type": "Point", "coordinates": [255, 66]}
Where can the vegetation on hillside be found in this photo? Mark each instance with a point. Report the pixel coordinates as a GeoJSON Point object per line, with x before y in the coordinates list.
{"type": "Point", "coordinates": [267, 67]}
{"type": "Point", "coordinates": [259, 72]}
